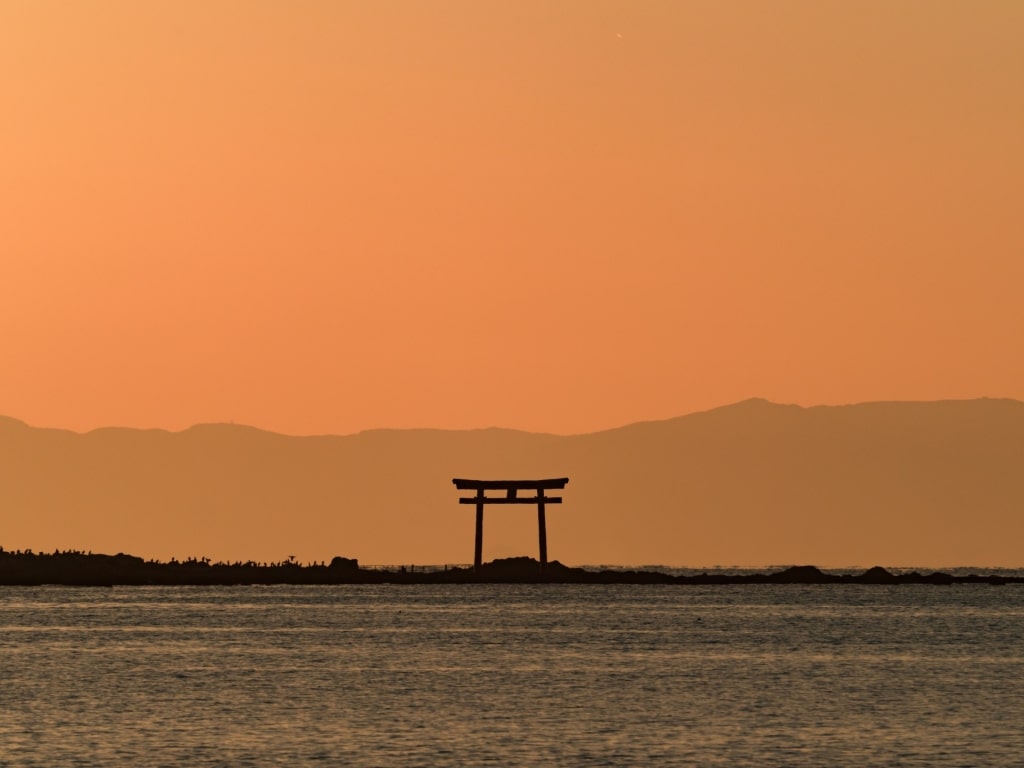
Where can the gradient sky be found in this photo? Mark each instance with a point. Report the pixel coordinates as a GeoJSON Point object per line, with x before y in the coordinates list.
{"type": "Point", "coordinates": [560, 215]}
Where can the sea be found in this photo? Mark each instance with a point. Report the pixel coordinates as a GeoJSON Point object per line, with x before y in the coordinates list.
{"type": "Point", "coordinates": [542, 674]}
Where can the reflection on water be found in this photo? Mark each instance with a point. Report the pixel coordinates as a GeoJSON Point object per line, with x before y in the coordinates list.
{"type": "Point", "coordinates": [503, 674]}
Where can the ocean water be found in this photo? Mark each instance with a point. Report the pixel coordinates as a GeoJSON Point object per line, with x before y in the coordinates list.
{"type": "Point", "coordinates": [469, 675]}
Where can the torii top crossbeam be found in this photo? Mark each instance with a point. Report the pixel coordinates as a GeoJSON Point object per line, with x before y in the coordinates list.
{"type": "Point", "coordinates": [511, 488]}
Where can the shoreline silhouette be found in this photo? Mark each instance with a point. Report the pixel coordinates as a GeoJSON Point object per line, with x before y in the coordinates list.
{"type": "Point", "coordinates": [75, 568]}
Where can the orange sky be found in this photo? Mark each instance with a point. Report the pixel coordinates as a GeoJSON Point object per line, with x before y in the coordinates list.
{"type": "Point", "coordinates": [560, 215]}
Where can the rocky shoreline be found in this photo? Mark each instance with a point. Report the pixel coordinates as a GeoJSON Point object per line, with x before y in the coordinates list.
{"type": "Point", "coordinates": [86, 569]}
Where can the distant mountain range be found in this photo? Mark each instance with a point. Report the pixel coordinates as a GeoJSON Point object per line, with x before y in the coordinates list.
{"type": "Point", "coordinates": [900, 484]}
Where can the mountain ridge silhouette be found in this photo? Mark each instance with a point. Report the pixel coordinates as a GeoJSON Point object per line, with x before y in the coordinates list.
{"type": "Point", "coordinates": [752, 483]}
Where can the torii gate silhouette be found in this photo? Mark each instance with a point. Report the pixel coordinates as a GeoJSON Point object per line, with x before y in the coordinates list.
{"type": "Point", "coordinates": [511, 488]}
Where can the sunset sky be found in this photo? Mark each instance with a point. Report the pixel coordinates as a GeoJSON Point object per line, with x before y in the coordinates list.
{"type": "Point", "coordinates": [320, 216]}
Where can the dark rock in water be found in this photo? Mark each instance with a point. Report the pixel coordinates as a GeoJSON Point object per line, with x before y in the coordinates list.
{"type": "Point", "coordinates": [800, 574]}
{"type": "Point", "coordinates": [344, 564]}
{"type": "Point", "coordinates": [876, 575]}
{"type": "Point", "coordinates": [523, 568]}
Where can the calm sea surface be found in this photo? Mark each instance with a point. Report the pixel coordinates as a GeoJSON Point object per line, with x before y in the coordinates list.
{"type": "Point", "coordinates": [512, 675]}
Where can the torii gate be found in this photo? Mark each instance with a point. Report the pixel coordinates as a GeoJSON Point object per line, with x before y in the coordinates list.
{"type": "Point", "coordinates": [511, 487]}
